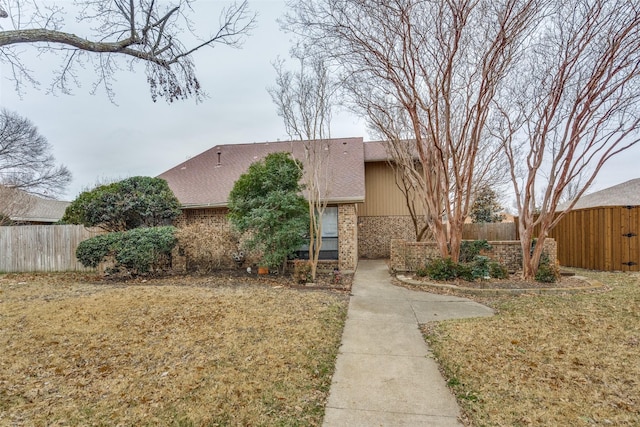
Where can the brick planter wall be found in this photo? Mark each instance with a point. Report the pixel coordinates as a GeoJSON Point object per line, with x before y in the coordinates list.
{"type": "Point", "coordinates": [409, 256]}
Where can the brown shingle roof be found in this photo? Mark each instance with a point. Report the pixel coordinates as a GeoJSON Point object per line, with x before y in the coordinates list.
{"type": "Point", "coordinates": [624, 194]}
{"type": "Point", "coordinates": [41, 210]}
{"type": "Point", "coordinates": [207, 179]}
{"type": "Point", "coordinates": [375, 151]}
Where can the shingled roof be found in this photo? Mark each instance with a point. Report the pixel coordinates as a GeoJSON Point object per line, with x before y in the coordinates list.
{"type": "Point", "coordinates": [41, 210]}
{"type": "Point", "coordinates": [624, 194]}
{"type": "Point", "coordinates": [207, 179]}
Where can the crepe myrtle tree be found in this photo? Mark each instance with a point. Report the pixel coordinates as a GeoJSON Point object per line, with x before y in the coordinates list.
{"type": "Point", "coordinates": [427, 72]}
{"type": "Point", "coordinates": [266, 206]}
{"type": "Point", "coordinates": [305, 99]}
{"type": "Point", "coordinates": [159, 34]}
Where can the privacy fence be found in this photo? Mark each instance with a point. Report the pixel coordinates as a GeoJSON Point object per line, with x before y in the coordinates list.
{"type": "Point", "coordinates": [601, 238]}
{"type": "Point", "coordinates": [31, 248]}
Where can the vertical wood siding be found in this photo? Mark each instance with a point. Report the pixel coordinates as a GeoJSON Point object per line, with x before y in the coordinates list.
{"type": "Point", "coordinates": [51, 248]}
{"type": "Point", "coordinates": [382, 195]}
{"type": "Point", "coordinates": [602, 238]}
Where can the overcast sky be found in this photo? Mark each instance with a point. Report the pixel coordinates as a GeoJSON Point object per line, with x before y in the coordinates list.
{"type": "Point", "coordinates": [100, 141]}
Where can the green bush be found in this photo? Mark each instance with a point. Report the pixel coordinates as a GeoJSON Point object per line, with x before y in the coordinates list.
{"type": "Point", "coordinates": [445, 269]}
{"type": "Point", "coordinates": [548, 272]}
{"type": "Point", "coordinates": [441, 269]}
{"type": "Point", "coordinates": [93, 251]}
{"type": "Point", "coordinates": [480, 267]}
{"type": "Point", "coordinates": [497, 270]}
{"type": "Point", "coordinates": [470, 249]}
{"type": "Point", "coordinates": [137, 251]}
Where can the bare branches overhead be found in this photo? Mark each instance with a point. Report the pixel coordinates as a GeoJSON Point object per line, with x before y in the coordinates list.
{"type": "Point", "coordinates": [159, 34]}
{"type": "Point", "coordinates": [26, 162]}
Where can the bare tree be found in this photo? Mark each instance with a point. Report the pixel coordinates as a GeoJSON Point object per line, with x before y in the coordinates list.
{"type": "Point", "coordinates": [26, 162]}
{"type": "Point", "coordinates": [160, 34]}
{"type": "Point", "coordinates": [574, 104]}
{"type": "Point", "coordinates": [14, 203]}
{"type": "Point", "coordinates": [430, 71]}
{"type": "Point", "coordinates": [304, 101]}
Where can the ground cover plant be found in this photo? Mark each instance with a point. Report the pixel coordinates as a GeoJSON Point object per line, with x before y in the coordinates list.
{"type": "Point", "coordinates": [176, 351]}
{"type": "Point", "coordinates": [548, 360]}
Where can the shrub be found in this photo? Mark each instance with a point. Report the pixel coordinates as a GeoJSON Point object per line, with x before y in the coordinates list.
{"type": "Point", "coordinates": [470, 249]}
{"type": "Point", "coordinates": [207, 248]}
{"type": "Point", "coordinates": [146, 249]}
{"type": "Point", "coordinates": [137, 251]}
{"type": "Point", "coordinates": [497, 270]}
{"type": "Point", "coordinates": [548, 272]}
{"type": "Point", "coordinates": [441, 269]}
{"type": "Point", "coordinates": [93, 251]}
{"type": "Point", "coordinates": [480, 267]}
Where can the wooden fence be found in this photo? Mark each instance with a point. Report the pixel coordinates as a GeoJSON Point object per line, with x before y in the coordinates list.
{"type": "Point", "coordinates": [489, 231]}
{"type": "Point", "coordinates": [30, 248]}
{"type": "Point", "coordinates": [602, 238]}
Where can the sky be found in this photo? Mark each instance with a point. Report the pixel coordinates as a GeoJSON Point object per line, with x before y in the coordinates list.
{"type": "Point", "coordinates": [100, 141]}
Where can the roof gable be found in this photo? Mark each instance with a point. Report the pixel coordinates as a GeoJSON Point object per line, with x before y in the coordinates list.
{"type": "Point", "coordinates": [207, 179]}
{"type": "Point", "coordinates": [624, 194]}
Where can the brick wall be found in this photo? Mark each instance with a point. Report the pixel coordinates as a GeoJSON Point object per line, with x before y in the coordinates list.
{"type": "Point", "coordinates": [375, 234]}
{"type": "Point", "coordinates": [347, 237]}
{"type": "Point", "coordinates": [409, 256]}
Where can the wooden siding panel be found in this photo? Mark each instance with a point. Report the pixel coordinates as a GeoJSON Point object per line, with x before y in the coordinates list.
{"type": "Point", "coordinates": [382, 195]}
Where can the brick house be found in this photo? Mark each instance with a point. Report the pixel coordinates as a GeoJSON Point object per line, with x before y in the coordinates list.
{"type": "Point", "coordinates": [365, 207]}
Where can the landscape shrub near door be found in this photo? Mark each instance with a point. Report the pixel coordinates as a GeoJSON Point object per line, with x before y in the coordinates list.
{"type": "Point", "coordinates": [135, 251]}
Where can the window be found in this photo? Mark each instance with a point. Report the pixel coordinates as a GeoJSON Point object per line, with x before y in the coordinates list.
{"type": "Point", "coordinates": [329, 248]}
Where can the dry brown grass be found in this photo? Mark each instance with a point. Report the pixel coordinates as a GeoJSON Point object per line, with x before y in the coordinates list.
{"type": "Point", "coordinates": [77, 353]}
{"type": "Point", "coordinates": [548, 360]}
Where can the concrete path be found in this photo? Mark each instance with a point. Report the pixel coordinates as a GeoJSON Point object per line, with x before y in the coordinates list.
{"type": "Point", "coordinates": [385, 375]}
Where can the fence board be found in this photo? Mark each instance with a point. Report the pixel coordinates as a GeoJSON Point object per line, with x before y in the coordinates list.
{"type": "Point", "coordinates": [602, 238]}
{"type": "Point", "coordinates": [489, 231]}
{"type": "Point", "coordinates": [31, 248]}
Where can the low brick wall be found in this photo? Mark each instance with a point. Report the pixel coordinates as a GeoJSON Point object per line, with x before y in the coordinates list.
{"type": "Point", "coordinates": [409, 256]}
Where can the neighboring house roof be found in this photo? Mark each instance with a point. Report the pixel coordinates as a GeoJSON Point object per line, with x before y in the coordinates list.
{"type": "Point", "coordinates": [625, 194]}
{"type": "Point", "coordinates": [207, 179]}
{"type": "Point", "coordinates": [42, 210]}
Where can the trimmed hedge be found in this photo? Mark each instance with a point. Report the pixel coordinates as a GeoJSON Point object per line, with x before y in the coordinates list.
{"type": "Point", "coordinates": [138, 251]}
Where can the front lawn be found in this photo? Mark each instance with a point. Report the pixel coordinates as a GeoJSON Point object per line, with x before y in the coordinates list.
{"type": "Point", "coordinates": [170, 353]}
{"type": "Point", "coordinates": [548, 360]}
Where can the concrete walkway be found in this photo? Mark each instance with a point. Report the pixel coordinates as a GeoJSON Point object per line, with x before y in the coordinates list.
{"type": "Point", "coordinates": [385, 375]}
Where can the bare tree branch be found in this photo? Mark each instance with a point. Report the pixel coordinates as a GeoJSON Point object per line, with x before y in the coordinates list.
{"type": "Point", "coordinates": [142, 30]}
{"type": "Point", "coordinates": [25, 159]}
{"type": "Point", "coordinates": [581, 108]}
{"type": "Point", "coordinates": [305, 100]}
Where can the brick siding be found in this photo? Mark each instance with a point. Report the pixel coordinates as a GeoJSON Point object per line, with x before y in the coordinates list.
{"type": "Point", "coordinates": [347, 237]}
{"type": "Point", "coordinates": [375, 234]}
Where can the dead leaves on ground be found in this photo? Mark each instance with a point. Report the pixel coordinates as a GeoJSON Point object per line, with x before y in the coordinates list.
{"type": "Point", "coordinates": [549, 360]}
{"type": "Point", "coordinates": [80, 353]}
